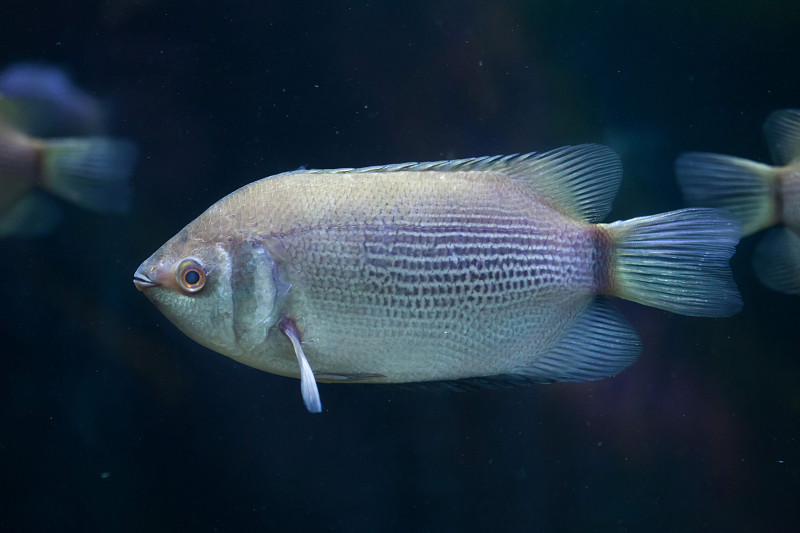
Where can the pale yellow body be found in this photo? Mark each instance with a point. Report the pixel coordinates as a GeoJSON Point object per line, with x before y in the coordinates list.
{"type": "Point", "coordinates": [468, 275]}
{"type": "Point", "coordinates": [436, 271]}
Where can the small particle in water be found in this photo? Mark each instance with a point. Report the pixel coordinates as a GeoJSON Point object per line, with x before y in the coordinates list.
{"type": "Point", "coordinates": [105, 475]}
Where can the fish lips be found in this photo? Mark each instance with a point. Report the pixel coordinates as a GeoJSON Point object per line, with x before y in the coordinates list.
{"type": "Point", "coordinates": [142, 281]}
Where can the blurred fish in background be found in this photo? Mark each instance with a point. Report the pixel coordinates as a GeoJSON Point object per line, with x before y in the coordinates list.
{"type": "Point", "coordinates": [47, 104]}
{"type": "Point", "coordinates": [79, 164]}
{"type": "Point", "coordinates": [759, 195]}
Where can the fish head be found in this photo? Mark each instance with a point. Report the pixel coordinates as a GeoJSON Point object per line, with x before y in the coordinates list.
{"type": "Point", "coordinates": [222, 292]}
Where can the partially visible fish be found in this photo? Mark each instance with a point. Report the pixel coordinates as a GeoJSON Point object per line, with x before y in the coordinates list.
{"type": "Point", "coordinates": [493, 266]}
{"type": "Point", "coordinates": [46, 103]}
{"type": "Point", "coordinates": [759, 195]}
{"type": "Point", "coordinates": [93, 172]}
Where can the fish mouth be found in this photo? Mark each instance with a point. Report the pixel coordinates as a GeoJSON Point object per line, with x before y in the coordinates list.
{"type": "Point", "coordinates": [142, 281]}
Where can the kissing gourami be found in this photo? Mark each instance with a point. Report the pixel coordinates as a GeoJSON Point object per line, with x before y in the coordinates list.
{"type": "Point", "coordinates": [492, 266]}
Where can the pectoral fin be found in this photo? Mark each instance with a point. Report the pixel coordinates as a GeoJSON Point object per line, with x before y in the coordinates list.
{"type": "Point", "coordinates": [308, 384]}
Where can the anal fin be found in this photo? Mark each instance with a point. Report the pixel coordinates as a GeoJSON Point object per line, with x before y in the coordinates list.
{"type": "Point", "coordinates": [601, 343]}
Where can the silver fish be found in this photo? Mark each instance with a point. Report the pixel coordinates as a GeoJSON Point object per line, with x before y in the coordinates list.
{"type": "Point", "coordinates": [760, 196]}
{"type": "Point", "coordinates": [493, 266]}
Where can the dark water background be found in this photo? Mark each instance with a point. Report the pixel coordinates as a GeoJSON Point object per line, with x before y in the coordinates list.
{"type": "Point", "coordinates": [112, 420]}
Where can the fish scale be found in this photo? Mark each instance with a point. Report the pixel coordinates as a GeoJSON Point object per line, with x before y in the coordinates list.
{"type": "Point", "coordinates": [401, 278]}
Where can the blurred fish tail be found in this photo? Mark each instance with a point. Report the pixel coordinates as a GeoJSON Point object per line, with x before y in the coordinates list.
{"type": "Point", "coordinates": [676, 261]}
{"type": "Point", "coordinates": [747, 189]}
{"type": "Point", "coordinates": [92, 172]}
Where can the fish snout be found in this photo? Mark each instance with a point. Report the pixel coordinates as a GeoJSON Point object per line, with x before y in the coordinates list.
{"type": "Point", "coordinates": [142, 281]}
{"type": "Point", "coordinates": [153, 274]}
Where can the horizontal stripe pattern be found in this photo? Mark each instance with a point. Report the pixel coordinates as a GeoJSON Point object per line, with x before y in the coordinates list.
{"type": "Point", "coordinates": [421, 277]}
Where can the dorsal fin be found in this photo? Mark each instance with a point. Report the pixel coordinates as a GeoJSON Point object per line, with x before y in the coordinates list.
{"type": "Point", "coordinates": [579, 181]}
{"type": "Point", "coordinates": [782, 132]}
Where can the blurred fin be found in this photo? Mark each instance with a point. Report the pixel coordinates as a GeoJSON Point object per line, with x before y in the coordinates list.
{"type": "Point", "coordinates": [777, 261]}
{"type": "Point", "coordinates": [33, 215]}
{"type": "Point", "coordinates": [13, 113]}
{"type": "Point", "coordinates": [743, 187]}
{"type": "Point", "coordinates": [52, 105]}
{"type": "Point", "coordinates": [601, 343]}
{"type": "Point", "coordinates": [677, 261]}
{"type": "Point", "coordinates": [308, 384]}
{"type": "Point", "coordinates": [92, 172]}
{"type": "Point", "coordinates": [30, 117]}
{"type": "Point", "coordinates": [782, 132]}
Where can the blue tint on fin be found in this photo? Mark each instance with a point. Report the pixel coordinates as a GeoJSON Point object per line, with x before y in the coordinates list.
{"type": "Point", "coordinates": [601, 343]}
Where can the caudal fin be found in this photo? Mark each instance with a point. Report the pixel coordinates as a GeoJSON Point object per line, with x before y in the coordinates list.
{"type": "Point", "coordinates": [677, 261]}
{"type": "Point", "coordinates": [92, 172]}
{"type": "Point", "coordinates": [743, 187]}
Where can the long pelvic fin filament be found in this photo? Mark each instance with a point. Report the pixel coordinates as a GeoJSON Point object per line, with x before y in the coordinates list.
{"type": "Point", "coordinates": [308, 384]}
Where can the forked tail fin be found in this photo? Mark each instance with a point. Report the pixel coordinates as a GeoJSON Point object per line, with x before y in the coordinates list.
{"type": "Point", "coordinates": [745, 188]}
{"type": "Point", "coordinates": [676, 261]}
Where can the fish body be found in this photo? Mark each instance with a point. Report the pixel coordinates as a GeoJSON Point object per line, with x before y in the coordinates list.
{"type": "Point", "coordinates": [456, 266]}
{"type": "Point", "coordinates": [436, 271]}
{"type": "Point", "coordinates": [761, 196]}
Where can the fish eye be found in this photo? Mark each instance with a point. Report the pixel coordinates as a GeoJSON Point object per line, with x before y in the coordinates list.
{"type": "Point", "coordinates": [190, 275]}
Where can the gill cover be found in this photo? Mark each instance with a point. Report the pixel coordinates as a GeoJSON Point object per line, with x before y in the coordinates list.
{"type": "Point", "coordinates": [257, 294]}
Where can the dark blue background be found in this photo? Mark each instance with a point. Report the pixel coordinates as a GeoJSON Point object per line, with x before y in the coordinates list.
{"type": "Point", "coordinates": [112, 420]}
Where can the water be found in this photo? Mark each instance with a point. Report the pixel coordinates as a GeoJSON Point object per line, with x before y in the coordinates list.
{"type": "Point", "coordinates": [112, 420]}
